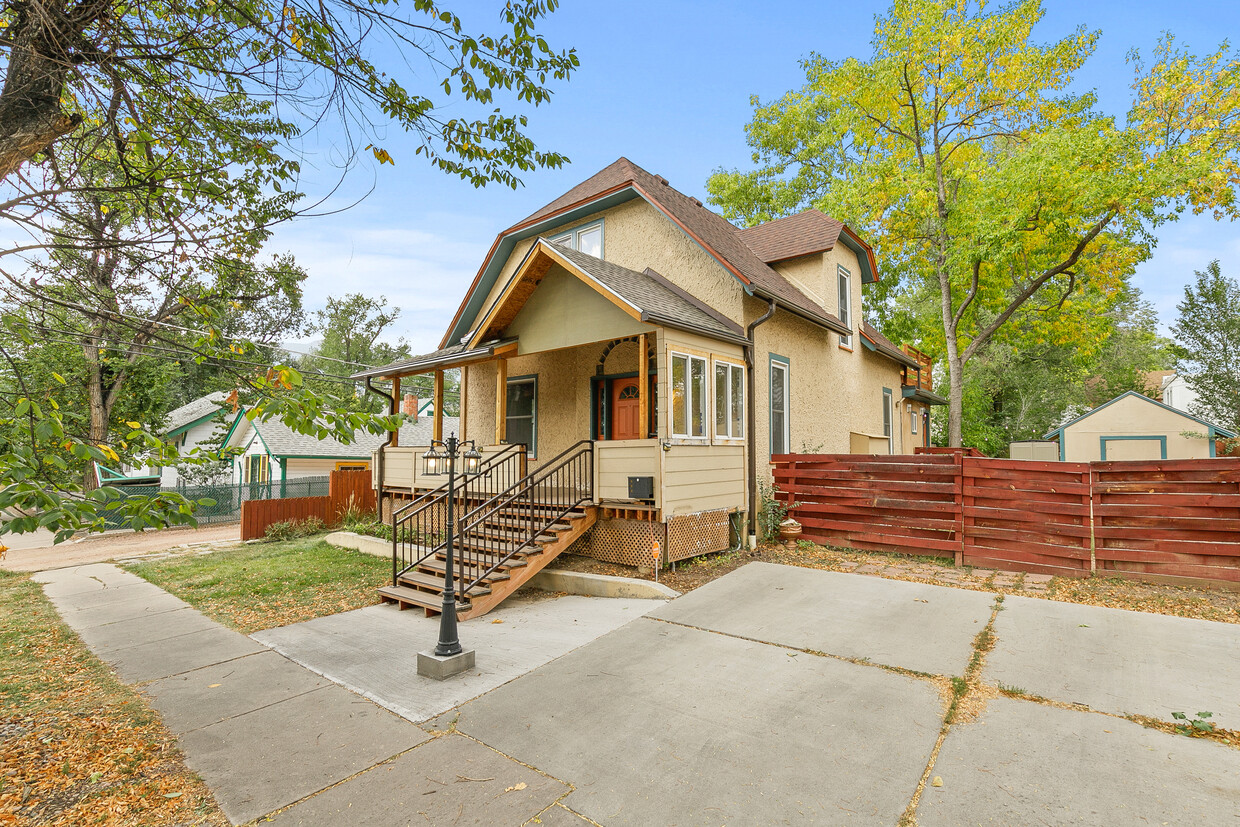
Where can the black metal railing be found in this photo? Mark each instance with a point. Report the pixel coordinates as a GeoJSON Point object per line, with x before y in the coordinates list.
{"type": "Point", "coordinates": [514, 520]}
{"type": "Point", "coordinates": [420, 528]}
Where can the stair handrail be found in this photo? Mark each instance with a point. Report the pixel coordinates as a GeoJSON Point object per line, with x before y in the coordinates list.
{"type": "Point", "coordinates": [437, 496]}
{"type": "Point", "coordinates": [553, 464]}
{"type": "Point", "coordinates": [483, 467]}
{"type": "Point", "coordinates": [584, 448]}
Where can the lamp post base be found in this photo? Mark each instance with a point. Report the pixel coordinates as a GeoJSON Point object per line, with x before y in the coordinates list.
{"type": "Point", "coordinates": [439, 667]}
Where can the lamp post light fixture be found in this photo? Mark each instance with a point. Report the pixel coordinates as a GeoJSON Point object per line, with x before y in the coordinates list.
{"type": "Point", "coordinates": [448, 657]}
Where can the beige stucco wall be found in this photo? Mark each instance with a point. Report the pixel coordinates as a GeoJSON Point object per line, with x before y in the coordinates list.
{"type": "Point", "coordinates": [1134, 416]}
{"type": "Point", "coordinates": [834, 391]}
{"type": "Point", "coordinates": [637, 236]}
{"type": "Point", "coordinates": [564, 312]}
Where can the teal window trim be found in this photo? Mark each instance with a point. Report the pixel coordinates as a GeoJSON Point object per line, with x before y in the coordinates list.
{"type": "Point", "coordinates": [843, 280]}
{"type": "Point", "coordinates": [569, 238]}
{"type": "Point", "coordinates": [889, 420]}
{"type": "Point", "coordinates": [1211, 436]}
{"type": "Point", "coordinates": [773, 359]}
{"type": "Point", "coordinates": [1103, 440]}
{"type": "Point", "coordinates": [529, 377]}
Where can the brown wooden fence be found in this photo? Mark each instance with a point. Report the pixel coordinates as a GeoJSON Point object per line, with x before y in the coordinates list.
{"type": "Point", "coordinates": [1168, 519]}
{"type": "Point", "coordinates": [1176, 521]}
{"type": "Point", "coordinates": [347, 490]}
{"type": "Point", "coordinates": [877, 503]}
{"type": "Point", "coordinates": [1030, 516]}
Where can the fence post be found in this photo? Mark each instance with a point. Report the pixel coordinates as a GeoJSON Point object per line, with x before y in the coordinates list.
{"type": "Point", "coordinates": [960, 504]}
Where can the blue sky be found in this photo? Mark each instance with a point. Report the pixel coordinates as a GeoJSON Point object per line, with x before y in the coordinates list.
{"type": "Point", "coordinates": [668, 85]}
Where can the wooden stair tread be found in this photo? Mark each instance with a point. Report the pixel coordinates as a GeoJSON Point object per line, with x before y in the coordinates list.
{"type": "Point", "coordinates": [438, 564]}
{"type": "Point", "coordinates": [431, 581]}
{"type": "Point", "coordinates": [405, 595]}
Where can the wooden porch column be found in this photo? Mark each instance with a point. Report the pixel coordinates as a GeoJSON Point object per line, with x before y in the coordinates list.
{"type": "Point", "coordinates": [643, 387]}
{"type": "Point", "coordinates": [501, 399]}
{"type": "Point", "coordinates": [462, 398]}
{"type": "Point", "coordinates": [437, 432]}
{"type": "Point", "coordinates": [394, 438]}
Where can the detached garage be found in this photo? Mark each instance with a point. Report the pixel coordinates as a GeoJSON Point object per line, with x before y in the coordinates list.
{"type": "Point", "coordinates": [1135, 427]}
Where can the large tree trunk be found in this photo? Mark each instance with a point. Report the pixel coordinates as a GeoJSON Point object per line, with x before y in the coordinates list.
{"type": "Point", "coordinates": [97, 407]}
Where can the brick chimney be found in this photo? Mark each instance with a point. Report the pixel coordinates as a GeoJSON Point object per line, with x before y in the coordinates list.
{"type": "Point", "coordinates": [409, 406]}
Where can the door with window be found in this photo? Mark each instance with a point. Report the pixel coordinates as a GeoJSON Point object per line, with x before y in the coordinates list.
{"type": "Point", "coordinates": [626, 409]}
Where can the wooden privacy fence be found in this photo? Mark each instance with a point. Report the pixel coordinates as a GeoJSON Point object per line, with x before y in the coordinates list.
{"type": "Point", "coordinates": [348, 490]}
{"type": "Point", "coordinates": [1170, 520]}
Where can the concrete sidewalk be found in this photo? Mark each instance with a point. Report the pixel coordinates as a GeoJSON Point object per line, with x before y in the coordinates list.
{"type": "Point", "coordinates": [267, 734]}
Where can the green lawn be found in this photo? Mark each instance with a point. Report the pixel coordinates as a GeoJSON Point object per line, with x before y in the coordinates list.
{"type": "Point", "coordinates": [262, 585]}
{"type": "Point", "coordinates": [76, 745]}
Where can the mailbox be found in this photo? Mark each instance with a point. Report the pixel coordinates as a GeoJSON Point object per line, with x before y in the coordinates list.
{"type": "Point", "coordinates": [641, 488]}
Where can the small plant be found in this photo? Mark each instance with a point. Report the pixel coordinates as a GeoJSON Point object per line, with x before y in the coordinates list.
{"type": "Point", "coordinates": [294, 529]}
{"type": "Point", "coordinates": [1007, 689]}
{"type": "Point", "coordinates": [771, 511]}
{"type": "Point", "coordinates": [1198, 725]}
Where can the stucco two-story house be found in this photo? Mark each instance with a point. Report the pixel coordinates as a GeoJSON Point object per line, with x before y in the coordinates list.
{"type": "Point", "coordinates": [627, 322]}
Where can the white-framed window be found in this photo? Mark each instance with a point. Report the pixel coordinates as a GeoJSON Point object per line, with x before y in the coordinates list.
{"type": "Point", "coordinates": [913, 416]}
{"type": "Point", "coordinates": [888, 417]}
{"type": "Point", "coordinates": [781, 426]}
{"type": "Point", "coordinates": [729, 400]}
{"type": "Point", "coordinates": [521, 412]}
{"type": "Point", "coordinates": [588, 238]}
{"type": "Point", "coordinates": [845, 288]}
{"type": "Point", "coordinates": [688, 396]}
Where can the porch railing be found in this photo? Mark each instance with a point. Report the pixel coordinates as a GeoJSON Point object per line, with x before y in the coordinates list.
{"type": "Point", "coordinates": [516, 519]}
{"type": "Point", "coordinates": [420, 528]}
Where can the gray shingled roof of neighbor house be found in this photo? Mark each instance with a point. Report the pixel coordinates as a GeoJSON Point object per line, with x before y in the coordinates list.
{"type": "Point", "coordinates": [283, 441]}
{"type": "Point", "coordinates": [193, 411]}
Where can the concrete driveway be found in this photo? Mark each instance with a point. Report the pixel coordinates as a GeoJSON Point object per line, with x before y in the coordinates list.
{"type": "Point", "coordinates": [779, 695]}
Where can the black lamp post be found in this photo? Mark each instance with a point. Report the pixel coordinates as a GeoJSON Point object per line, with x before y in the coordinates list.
{"type": "Point", "coordinates": [441, 452]}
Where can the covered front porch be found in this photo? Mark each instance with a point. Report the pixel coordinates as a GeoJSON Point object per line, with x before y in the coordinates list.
{"type": "Point", "coordinates": [572, 350]}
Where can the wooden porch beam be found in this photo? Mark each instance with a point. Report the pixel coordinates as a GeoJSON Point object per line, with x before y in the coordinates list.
{"type": "Point", "coordinates": [437, 432]}
{"type": "Point", "coordinates": [643, 387]}
{"type": "Point", "coordinates": [501, 399]}
{"type": "Point", "coordinates": [394, 437]}
{"type": "Point", "coordinates": [461, 397]}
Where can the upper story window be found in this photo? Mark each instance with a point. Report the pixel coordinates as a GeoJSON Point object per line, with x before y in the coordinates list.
{"type": "Point", "coordinates": [588, 238]}
{"type": "Point", "coordinates": [688, 396]}
{"type": "Point", "coordinates": [888, 416]}
{"type": "Point", "coordinates": [845, 289]}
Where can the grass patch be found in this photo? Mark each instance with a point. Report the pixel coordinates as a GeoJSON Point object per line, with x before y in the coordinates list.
{"type": "Point", "coordinates": [263, 585]}
{"type": "Point", "coordinates": [76, 745]}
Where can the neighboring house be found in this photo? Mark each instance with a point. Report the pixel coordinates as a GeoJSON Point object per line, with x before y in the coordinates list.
{"type": "Point", "coordinates": [1177, 393]}
{"type": "Point", "coordinates": [685, 350]}
{"type": "Point", "coordinates": [273, 452]}
{"type": "Point", "coordinates": [1132, 426]}
{"type": "Point", "coordinates": [188, 427]}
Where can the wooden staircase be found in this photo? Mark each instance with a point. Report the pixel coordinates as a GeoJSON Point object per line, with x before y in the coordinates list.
{"type": "Point", "coordinates": [422, 586]}
{"type": "Point", "coordinates": [503, 535]}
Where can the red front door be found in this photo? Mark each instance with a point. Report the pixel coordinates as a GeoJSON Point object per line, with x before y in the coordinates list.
{"type": "Point", "coordinates": [625, 410]}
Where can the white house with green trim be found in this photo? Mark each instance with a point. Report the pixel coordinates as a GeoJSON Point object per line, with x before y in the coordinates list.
{"type": "Point", "coordinates": [273, 452]}
{"type": "Point", "coordinates": [189, 427]}
{"type": "Point", "coordinates": [1134, 427]}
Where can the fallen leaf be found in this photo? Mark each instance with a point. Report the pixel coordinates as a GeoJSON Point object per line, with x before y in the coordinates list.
{"type": "Point", "coordinates": [937, 782]}
{"type": "Point", "coordinates": [497, 620]}
{"type": "Point", "coordinates": [172, 795]}
{"type": "Point", "coordinates": [520, 785]}
{"type": "Point", "coordinates": [212, 685]}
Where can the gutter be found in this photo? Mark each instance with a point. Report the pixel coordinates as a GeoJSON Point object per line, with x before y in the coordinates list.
{"type": "Point", "coordinates": [752, 412]}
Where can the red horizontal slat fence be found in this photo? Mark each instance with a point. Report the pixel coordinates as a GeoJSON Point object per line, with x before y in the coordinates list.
{"type": "Point", "coordinates": [1169, 520]}
{"type": "Point", "coordinates": [901, 504]}
{"type": "Point", "coordinates": [1027, 516]}
{"type": "Point", "coordinates": [257, 515]}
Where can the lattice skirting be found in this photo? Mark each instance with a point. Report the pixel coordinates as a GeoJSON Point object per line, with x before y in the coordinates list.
{"type": "Point", "coordinates": [630, 542]}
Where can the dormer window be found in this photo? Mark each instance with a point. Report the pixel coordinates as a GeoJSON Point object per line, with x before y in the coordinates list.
{"type": "Point", "coordinates": [588, 238]}
{"type": "Point", "coordinates": [845, 288]}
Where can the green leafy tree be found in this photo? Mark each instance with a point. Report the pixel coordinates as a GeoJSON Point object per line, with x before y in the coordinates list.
{"type": "Point", "coordinates": [984, 185]}
{"type": "Point", "coordinates": [1207, 336]}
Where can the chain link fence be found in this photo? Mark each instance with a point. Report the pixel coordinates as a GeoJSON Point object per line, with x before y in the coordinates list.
{"type": "Point", "coordinates": [227, 497]}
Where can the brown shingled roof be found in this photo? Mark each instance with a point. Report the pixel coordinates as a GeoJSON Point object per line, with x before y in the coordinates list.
{"type": "Point", "coordinates": [707, 228]}
{"type": "Point", "coordinates": [797, 235]}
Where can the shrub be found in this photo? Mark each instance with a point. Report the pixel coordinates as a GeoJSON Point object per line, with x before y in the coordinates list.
{"type": "Point", "coordinates": [293, 529]}
{"type": "Point", "coordinates": [771, 512]}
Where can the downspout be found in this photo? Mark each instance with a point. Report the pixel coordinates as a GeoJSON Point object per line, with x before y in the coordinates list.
{"type": "Point", "coordinates": [752, 413]}
{"type": "Point", "coordinates": [391, 398]}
